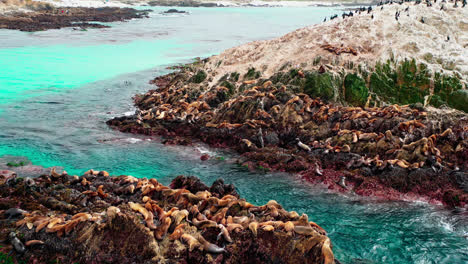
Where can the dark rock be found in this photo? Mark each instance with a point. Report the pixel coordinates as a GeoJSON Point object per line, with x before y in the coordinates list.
{"type": "Point", "coordinates": [222, 189]}
{"type": "Point", "coordinates": [174, 11]}
{"type": "Point", "coordinates": [78, 17]}
{"type": "Point", "coordinates": [204, 157]}
{"type": "Point", "coordinates": [462, 179]}
{"type": "Point", "coordinates": [272, 138]}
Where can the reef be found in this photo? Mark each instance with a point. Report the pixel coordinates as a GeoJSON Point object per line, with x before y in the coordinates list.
{"type": "Point", "coordinates": [98, 218]}
{"type": "Point", "coordinates": [280, 123]}
{"type": "Point", "coordinates": [48, 17]}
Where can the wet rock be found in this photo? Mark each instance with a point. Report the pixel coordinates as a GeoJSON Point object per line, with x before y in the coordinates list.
{"type": "Point", "coordinates": [152, 223]}
{"type": "Point", "coordinates": [390, 146]}
{"type": "Point", "coordinates": [222, 189]}
{"type": "Point", "coordinates": [59, 17]}
{"type": "Point", "coordinates": [462, 179]}
{"type": "Point", "coordinates": [174, 11]}
{"type": "Point", "coordinates": [204, 157]}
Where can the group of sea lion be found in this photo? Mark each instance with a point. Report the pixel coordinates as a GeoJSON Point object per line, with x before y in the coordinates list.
{"type": "Point", "coordinates": [252, 115]}
{"type": "Point", "coordinates": [82, 218]}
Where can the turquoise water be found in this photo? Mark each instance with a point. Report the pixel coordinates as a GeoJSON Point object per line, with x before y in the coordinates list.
{"type": "Point", "coordinates": [57, 88]}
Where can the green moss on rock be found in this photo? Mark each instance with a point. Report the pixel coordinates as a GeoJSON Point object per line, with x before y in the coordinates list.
{"type": "Point", "coordinates": [459, 100]}
{"type": "Point", "coordinates": [356, 92]}
{"type": "Point", "coordinates": [199, 77]}
{"type": "Point", "coordinates": [252, 74]}
{"type": "Point", "coordinates": [407, 84]}
{"type": "Point", "coordinates": [319, 85]}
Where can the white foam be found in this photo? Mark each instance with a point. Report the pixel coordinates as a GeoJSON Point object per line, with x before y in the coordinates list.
{"type": "Point", "coordinates": [132, 140]}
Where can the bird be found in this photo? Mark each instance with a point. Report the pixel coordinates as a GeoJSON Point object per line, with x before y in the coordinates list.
{"type": "Point", "coordinates": [318, 170]}
{"type": "Point", "coordinates": [342, 182]}
{"type": "Point", "coordinates": [302, 145]}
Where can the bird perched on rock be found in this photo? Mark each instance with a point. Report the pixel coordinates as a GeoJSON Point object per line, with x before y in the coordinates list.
{"type": "Point", "coordinates": [302, 145]}
{"type": "Point", "coordinates": [318, 170]}
{"type": "Point", "coordinates": [342, 182]}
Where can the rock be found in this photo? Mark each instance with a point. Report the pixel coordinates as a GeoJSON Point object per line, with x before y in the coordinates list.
{"type": "Point", "coordinates": [204, 157]}
{"type": "Point", "coordinates": [272, 138]}
{"type": "Point", "coordinates": [356, 92]}
{"type": "Point", "coordinates": [222, 189]}
{"type": "Point", "coordinates": [78, 17]}
{"type": "Point", "coordinates": [462, 179]}
{"type": "Point", "coordinates": [94, 221]}
{"type": "Point", "coordinates": [174, 11]}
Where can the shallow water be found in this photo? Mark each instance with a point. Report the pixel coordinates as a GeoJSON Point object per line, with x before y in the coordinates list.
{"type": "Point", "coordinates": [57, 89]}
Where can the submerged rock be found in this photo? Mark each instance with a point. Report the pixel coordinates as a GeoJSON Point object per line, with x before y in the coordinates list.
{"type": "Point", "coordinates": [99, 218]}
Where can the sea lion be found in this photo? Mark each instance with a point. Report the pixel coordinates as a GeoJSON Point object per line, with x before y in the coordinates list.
{"type": "Point", "coordinates": [224, 233]}
{"type": "Point", "coordinates": [210, 247]}
{"type": "Point", "coordinates": [14, 213]}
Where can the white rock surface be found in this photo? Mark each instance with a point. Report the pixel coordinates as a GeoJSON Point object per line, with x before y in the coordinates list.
{"type": "Point", "coordinates": [376, 39]}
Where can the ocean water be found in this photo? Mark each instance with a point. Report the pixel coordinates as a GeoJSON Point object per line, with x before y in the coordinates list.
{"type": "Point", "coordinates": [57, 89]}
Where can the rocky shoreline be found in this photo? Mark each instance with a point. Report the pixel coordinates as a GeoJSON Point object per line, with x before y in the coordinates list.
{"type": "Point", "coordinates": [50, 17]}
{"type": "Point", "coordinates": [393, 152]}
{"type": "Point", "coordinates": [353, 115]}
{"type": "Point", "coordinates": [97, 218]}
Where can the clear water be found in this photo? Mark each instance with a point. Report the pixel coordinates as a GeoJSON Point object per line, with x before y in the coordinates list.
{"type": "Point", "coordinates": [57, 88]}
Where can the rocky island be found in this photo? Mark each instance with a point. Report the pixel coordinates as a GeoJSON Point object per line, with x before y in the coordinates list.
{"type": "Point", "coordinates": [97, 218]}
{"type": "Point", "coordinates": [38, 16]}
{"type": "Point", "coordinates": [372, 103]}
